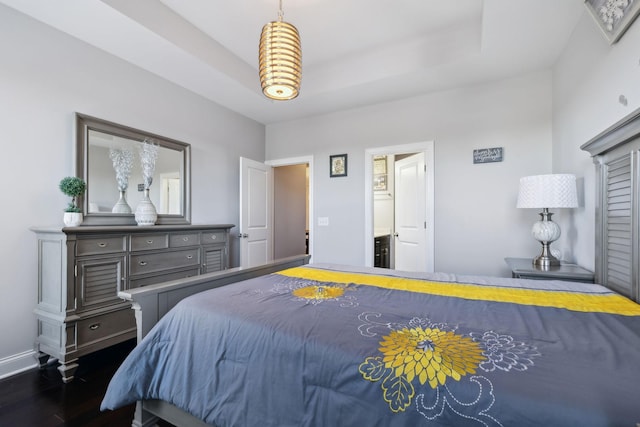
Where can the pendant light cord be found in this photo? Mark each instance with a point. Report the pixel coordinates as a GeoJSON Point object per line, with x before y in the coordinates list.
{"type": "Point", "coordinates": [280, 13]}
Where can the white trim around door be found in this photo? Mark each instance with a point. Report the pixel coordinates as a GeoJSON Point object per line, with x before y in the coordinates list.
{"type": "Point", "coordinates": [428, 148]}
{"type": "Point", "coordinates": [297, 161]}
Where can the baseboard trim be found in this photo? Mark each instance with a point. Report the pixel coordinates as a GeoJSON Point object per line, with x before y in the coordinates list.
{"type": "Point", "coordinates": [17, 363]}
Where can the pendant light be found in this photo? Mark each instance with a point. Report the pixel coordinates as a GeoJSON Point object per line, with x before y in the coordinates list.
{"type": "Point", "coordinates": [280, 59]}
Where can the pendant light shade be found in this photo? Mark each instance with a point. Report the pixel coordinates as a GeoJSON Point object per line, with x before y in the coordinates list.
{"type": "Point", "coordinates": [280, 60]}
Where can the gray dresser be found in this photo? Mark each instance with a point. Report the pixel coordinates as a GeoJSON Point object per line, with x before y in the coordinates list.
{"type": "Point", "coordinates": [81, 270]}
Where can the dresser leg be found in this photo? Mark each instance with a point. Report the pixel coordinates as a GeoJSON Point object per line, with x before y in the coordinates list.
{"type": "Point", "coordinates": [68, 370]}
{"type": "Point", "coordinates": [43, 358]}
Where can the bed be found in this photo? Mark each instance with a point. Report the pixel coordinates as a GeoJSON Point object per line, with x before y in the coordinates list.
{"type": "Point", "coordinates": [292, 344]}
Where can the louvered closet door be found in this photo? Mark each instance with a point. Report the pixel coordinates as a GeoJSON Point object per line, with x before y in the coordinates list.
{"type": "Point", "coordinates": [619, 218]}
{"type": "Point", "coordinates": [98, 282]}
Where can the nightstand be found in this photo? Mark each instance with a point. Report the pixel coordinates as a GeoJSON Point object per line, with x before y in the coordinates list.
{"type": "Point", "coordinates": [523, 268]}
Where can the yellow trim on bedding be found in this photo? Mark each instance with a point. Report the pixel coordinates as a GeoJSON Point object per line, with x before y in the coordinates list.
{"type": "Point", "coordinates": [600, 303]}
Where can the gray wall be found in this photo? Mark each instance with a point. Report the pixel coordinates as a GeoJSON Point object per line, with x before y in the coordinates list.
{"type": "Point", "coordinates": [476, 221]}
{"type": "Point", "coordinates": [47, 76]}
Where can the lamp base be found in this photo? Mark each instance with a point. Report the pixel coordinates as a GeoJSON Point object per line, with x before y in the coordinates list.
{"type": "Point", "coordinates": [545, 261]}
{"type": "Point", "coordinates": [545, 231]}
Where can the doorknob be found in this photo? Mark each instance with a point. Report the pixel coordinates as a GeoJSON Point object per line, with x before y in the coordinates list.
{"type": "Point", "coordinates": [395, 234]}
{"type": "Point", "coordinates": [243, 235]}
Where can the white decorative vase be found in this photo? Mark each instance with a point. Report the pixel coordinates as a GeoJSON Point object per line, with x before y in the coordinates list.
{"type": "Point", "coordinates": [121, 205]}
{"type": "Point", "coordinates": [145, 212]}
{"type": "Point", "coordinates": [72, 219]}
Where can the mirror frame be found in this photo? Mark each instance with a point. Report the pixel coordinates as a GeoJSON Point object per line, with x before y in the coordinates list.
{"type": "Point", "coordinates": [84, 124]}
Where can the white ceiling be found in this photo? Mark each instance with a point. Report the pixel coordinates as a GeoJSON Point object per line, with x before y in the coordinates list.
{"type": "Point", "coordinates": [355, 52]}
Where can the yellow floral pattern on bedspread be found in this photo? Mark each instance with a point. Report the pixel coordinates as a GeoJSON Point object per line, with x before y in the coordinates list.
{"type": "Point", "coordinates": [319, 292]}
{"type": "Point", "coordinates": [313, 292]}
{"type": "Point", "coordinates": [426, 354]}
{"type": "Point", "coordinates": [430, 354]}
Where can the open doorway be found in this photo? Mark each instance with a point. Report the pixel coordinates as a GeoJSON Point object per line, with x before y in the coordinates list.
{"type": "Point", "coordinates": [291, 210]}
{"type": "Point", "coordinates": [399, 207]}
{"type": "Point", "coordinates": [293, 205]}
{"type": "Point", "coordinates": [258, 209]}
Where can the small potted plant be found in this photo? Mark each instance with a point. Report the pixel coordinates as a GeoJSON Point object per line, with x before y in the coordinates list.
{"type": "Point", "coordinates": [73, 187]}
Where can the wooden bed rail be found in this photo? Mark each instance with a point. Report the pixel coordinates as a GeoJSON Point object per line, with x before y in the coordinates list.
{"type": "Point", "coordinates": [154, 301]}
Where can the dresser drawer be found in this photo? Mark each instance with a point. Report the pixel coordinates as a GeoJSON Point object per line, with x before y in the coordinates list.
{"type": "Point", "coordinates": [215, 236]}
{"type": "Point", "coordinates": [101, 245]}
{"type": "Point", "coordinates": [145, 242]}
{"type": "Point", "coordinates": [181, 240]}
{"type": "Point", "coordinates": [97, 328]}
{"type": "Point", "coordinates": [152, 280]}
{"type": "Point", "coordinates": [149, 263]}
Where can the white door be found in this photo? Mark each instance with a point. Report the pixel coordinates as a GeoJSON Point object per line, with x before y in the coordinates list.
{"type": "Point", "coordinates": [410, 236]}
{"type": "Point", "coordinates": [256, 208]}
{"type": "Point", "coordinates": [170, 200]}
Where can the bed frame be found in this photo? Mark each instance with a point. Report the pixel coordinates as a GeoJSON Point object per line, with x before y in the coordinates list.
{"type": "Point", "coordinates": [152, 302]}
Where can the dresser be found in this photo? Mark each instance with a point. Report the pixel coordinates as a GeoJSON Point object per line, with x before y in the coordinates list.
{"type": "Point", "coordinates": [82, 269]}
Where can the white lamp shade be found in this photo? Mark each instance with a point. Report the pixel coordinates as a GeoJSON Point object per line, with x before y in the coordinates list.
{"type": "Point", "coordinates": [548, 191]}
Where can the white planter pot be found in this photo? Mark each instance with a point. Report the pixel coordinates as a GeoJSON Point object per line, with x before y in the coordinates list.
{"type": "Point", "coordinates": [72, 219]}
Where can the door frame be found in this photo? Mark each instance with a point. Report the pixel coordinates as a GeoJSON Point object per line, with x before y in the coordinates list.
{"type": "Point", "coordinates": [297, 161]}
{"type": "Point", "coordinates": [428, 148]}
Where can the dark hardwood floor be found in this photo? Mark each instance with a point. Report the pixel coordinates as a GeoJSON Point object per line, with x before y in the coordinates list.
{"type": "Point", "coordinates": [38, 397]}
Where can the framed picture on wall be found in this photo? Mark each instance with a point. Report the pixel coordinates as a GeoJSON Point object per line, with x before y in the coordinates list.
{"type": "Point", "coordinates": [379, 165]}
{"type": "Point", "coordinates": [338, 165]}
{"type": "Point", "coordinates": [613, 17]}
{"type": "Point", "coordinates": [380, 182]}
{"type": "Point", "coordinates": [380, 173]}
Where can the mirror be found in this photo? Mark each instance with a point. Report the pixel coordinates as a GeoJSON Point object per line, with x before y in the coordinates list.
{"type": "Point", "coordinates": [108, 158]}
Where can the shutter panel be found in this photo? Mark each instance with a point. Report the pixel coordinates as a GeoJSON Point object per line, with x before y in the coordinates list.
{"type": "Point", "coordinates": [100, 281]}
{"type": "Point", "coordinates": [618, 238]}
{"type": "Point", "coordinates": [214, 259]}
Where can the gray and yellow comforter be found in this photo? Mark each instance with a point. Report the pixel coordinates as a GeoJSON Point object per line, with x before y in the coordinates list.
{"type": "Point", "coordinates": [332, 346]}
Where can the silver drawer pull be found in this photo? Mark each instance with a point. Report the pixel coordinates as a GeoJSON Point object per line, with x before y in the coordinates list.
{"type": "Point", "coordinates": [189, 256]}
{"type": "Point", "coordinates": [214, 237]}
{"type": "Point", "coordinates": [102, 245]}
{"type": "Point", "coordinates": [150, 241]}
{"type": "Point", "coordinates": [185, 239]}
{"type": "Point", "coordinates": [143, 263]}
{"type": "Point", "coordinates": [94, 326]}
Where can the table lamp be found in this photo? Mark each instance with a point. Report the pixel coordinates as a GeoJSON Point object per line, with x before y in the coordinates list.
{"type": "Point", "coordinates": [546, 192]}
